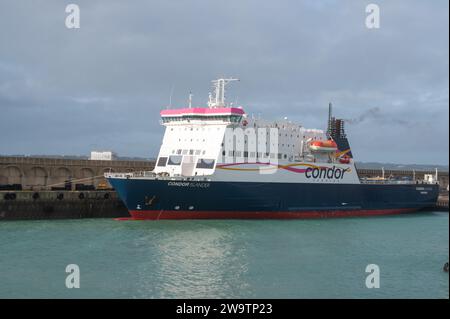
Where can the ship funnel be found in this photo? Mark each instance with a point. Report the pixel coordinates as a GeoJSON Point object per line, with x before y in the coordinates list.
{"type": "Point", "coordinates": [336, 132]}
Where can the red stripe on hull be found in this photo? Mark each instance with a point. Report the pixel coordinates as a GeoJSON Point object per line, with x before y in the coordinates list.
{"type": "Point", "coordinates": [182, 214]}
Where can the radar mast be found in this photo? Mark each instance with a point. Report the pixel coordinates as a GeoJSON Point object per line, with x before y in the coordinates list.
{"type": "Point", "coordinates": [217, 99]}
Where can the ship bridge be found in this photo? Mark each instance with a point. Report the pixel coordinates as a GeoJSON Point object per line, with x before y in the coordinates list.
{"type": "Point", "coordinates": [194, 135]}
{"type": "Point", "coordinates": [204, 115]}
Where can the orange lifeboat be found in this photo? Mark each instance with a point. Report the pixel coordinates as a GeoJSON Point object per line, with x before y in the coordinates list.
{"type": "Point", "coordinates": [344, 159]}
{"type": "Point", "coordinates": [323, 146]}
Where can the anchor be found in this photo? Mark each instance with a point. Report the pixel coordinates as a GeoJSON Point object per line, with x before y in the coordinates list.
{"type": "Point", "coordinates": [149, 201]}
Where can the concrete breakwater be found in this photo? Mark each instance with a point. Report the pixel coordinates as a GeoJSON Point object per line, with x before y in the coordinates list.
{"type": "Point", "coordinates": [442, 203]}
{"type": "Point", "coordinates": [60, 204]}
{"type": "Point", "coordinates": [34, 173]}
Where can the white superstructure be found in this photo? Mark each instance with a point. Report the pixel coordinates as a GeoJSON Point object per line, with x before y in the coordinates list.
{"type": "Point", "coordinates": [222, 142]}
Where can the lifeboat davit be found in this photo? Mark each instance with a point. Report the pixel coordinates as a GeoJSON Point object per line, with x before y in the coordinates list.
{"type": "Point", "coordinates": [323, 146]}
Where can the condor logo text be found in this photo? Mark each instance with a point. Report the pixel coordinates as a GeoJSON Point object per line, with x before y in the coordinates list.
{"type": "Point", "coordinates": [326, 172]}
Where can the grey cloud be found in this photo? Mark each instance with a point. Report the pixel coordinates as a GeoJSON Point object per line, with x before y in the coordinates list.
{"type": "Point", "coordinates": [67, 91]}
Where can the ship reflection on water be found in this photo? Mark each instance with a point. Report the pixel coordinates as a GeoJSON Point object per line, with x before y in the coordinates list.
{"type": "Point", "coordinates": [192, 259]}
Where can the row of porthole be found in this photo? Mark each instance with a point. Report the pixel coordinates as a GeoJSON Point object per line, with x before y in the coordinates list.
{"type": "Point", "coordinates": [60, 196]}
{"type": "Point", "coordinates": [259, 155]}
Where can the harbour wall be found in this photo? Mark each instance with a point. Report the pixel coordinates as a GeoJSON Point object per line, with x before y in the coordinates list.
{"type": "Point", "coordinates": [442, 203]}
{"type": "Point", "coordinates": [23, 205]}
{"type": "Point", "coordinates": [34, 173]}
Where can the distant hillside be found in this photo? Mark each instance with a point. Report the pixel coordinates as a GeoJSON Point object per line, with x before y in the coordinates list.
{"type": "Point", "coordinates": [392, 166]}
{"type": "Point", "coordinates": [125, 158]}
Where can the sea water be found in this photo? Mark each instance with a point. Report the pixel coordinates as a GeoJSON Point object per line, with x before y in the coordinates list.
{"type": "Point", "coordinates": [323, 258]}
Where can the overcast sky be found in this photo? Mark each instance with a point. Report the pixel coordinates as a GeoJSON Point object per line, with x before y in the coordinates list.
{"type": "Point", "coordinates": [69, 91]}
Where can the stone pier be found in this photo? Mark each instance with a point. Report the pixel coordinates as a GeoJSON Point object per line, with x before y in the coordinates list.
{"type": "Point", "coordinates": [41, 173]}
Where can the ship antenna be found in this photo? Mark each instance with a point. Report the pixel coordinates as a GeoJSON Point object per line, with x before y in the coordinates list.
{"type": "Point", "coordinates": [218, 100]}
{"type": "Point", "coordinates": [190, 99]}
{"type": "Point", "coordinates": [330, 110]}
{"type": "Point", "coordinates": [170, 97]}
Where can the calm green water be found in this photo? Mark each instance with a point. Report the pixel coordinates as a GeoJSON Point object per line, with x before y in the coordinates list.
{"type": "Point", "coordinates": [229, 259]}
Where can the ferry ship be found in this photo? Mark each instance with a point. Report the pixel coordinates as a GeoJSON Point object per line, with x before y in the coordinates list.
{"type": "Point", "coordinates": [218, 162]}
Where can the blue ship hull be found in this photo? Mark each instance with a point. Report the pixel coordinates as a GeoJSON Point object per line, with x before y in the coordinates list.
{"type": "Point", "coordinates": [165, 199]}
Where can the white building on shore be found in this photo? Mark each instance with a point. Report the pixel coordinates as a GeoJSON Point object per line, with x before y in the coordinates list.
{"type": "Point", "coordinates": [103, 156]}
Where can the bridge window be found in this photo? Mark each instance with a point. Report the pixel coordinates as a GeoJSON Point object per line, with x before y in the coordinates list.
{"type": "Point", "coordinates": [175, 160]}
{"type": "Point", "coordinates": [162, 162]}
{"type": "Point", "coordinates": [229, 118]}
{"type": "Point", "coordinates": [205, 163]}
